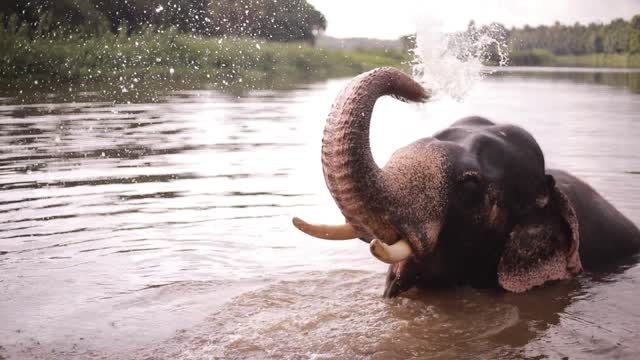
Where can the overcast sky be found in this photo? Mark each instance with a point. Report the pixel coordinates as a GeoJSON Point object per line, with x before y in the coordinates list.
{"type": "Point", "coordinates": [390, 19]}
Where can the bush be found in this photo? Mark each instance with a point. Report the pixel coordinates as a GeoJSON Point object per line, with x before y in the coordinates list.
{"type": "Point", "coordinates": [535, 57]}
{"type": "Point", "coordinates": [151, 53]}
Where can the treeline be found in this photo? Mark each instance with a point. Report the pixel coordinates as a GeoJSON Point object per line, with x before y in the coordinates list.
{"type": "Point", "coordinates": [618, 36]}
{"type": "Point", "coordinates": [33, 57]}
{"type": "Point", "coordinates": [615, 44]}
{"type": "Point", "coordinates": [277, 20]}
{"type": "Point", "coordinates": [173, 55]}
{"type": "Point", "coordinates": [225, 42]}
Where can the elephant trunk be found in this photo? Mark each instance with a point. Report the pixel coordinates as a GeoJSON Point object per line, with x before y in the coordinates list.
{"type": "Point", "coordinates": [352, 176]}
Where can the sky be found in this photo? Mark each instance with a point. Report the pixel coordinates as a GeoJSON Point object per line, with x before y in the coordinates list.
{"type": "Point", "coordinates": [386, 19]}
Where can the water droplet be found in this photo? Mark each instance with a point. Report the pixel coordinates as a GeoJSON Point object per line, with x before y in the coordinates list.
{"type": "Point", "coordinates": [159, 8]}
{"type": "Point", "coordinates": [171, 71]}
{"type": "Point", "coordinates": [451, 63]}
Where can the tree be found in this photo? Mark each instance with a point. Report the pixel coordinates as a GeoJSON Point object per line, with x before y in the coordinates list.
{"type": "Point", "coordinates": [280, 20]}
{"type": "Point", "coordinates": [67, 15]}
{"type": "Point", "coordinates": [634, 35]}
{"type": "Point", "coordinates": [619, 36]}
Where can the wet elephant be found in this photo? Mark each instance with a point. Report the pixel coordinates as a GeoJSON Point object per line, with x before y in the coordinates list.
{"type": "Point", "coordinates": [471, 205]}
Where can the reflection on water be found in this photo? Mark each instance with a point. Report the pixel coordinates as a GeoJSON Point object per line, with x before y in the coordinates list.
{"type": "Point", "coordinates": [136, 89]}
{"type": "Point", "coordinates": [163, 229]}
{"type": "Point", "coordinates": [629, 78]}
{"type": "Point", "coordinates": [339, 314]}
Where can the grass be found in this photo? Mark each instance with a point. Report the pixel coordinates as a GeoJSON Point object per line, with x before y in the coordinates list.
{"type": "Point", "coordinates": [169, 55]}
{"type": "Point", "coordinates": [600, 60]}
{"type": "Point", "coordinates": [542, 57]}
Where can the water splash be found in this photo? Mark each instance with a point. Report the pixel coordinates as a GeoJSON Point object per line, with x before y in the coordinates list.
{"type": "Point", "coordinates": [451, 63]}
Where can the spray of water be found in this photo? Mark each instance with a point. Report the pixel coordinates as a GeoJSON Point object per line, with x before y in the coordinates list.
{"type": "Point", "coordinates": [451, 63]}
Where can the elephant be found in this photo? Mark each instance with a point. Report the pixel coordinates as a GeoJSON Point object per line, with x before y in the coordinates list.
{"type": "Point", "coordinates": [473, 205]}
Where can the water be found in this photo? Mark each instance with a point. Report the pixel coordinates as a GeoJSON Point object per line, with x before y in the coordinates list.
{"type": "Point", "coordinates": [451, 64]}
{"type": "Point", "coordinates": [162, 230]}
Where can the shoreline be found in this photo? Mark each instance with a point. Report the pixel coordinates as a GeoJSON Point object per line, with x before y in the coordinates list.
{"type": "Point", "coordinates": [561, 69]}
{"type": "Point", "coordinates": [543, 57]}
{"type": "Point", "coordinates": [127, 89]}
{"type": "Point", "coordinates": [171, 55]}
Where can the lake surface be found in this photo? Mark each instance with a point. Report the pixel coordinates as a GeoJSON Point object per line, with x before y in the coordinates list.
{"type": "Point", "coordinates": [162, 230]}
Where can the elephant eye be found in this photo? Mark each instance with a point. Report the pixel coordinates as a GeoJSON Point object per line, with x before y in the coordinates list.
{"type": "Point", "coordinates": [471, 190]}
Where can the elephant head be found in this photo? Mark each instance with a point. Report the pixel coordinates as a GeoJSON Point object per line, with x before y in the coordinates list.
{"type": "Point", "coordinates": [470, 205]}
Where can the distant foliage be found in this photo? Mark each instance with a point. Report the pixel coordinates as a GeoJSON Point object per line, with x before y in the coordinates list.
{"type": "Point", "coordinates": [618, 36]}
{"type": "Point", "coordinates": [223, 41]}
{"type": "Point", "coordinates": [616, 44]}
{"type": "Point", "coordinates": [170, 54]}
{"type": "Point", "coordinates": [280, 20]}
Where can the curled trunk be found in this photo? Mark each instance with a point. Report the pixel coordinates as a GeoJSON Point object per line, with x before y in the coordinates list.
{"type": "Point", "coordinates": [351, 174]}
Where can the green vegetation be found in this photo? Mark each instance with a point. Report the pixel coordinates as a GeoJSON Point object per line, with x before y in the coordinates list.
{"type": "Point", "coordinates": [616, 44]}
{"type": "Point", "coordinates": [617, 37]}
{"type": "Point", "coordinates": [534, 57]}
{"type": "Point", "coordinates": [247, 42]}
{"type": "Point", "coordinates": [226, 42]}
{"type": "Point", "coordinates": [543, 57]}
{"type": "Point", "coordinates": [278, 20]}
{"type": "Point", "coordinates": [170, 54]}
{"type": "Point", "coordinates": [599, 60]}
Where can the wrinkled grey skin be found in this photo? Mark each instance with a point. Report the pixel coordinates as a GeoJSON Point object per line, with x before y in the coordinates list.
{"type": "Point", "coordinates": [474, 201]}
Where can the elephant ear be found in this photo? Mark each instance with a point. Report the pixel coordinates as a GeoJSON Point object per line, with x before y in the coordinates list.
{"type": "Point", "coordinates": [543, 246]}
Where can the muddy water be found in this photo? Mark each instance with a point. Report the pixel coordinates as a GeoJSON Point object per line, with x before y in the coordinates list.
{"type": "Point", "coordinates": [163, 230]}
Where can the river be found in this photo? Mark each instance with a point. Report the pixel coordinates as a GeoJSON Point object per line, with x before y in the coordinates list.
{"type": "Point", "coordinates": [163, 229]}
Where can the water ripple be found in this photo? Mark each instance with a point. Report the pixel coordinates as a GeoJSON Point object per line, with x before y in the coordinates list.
{"type": "Point", "coordinates": [123, 223]}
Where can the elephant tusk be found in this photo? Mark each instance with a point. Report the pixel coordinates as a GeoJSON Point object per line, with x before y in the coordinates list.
{"type": "Point", "coordinates": [390, 254]}
{"type": "Point", "coordinates": [327, 232]}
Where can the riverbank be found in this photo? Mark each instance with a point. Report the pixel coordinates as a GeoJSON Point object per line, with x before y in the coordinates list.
{"type": "Point", "coordinates": [542, 57]}
{"type": "Point", "coordinates": [176, 56]}
{"type": "Point", "coordinates": [150, 63]}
